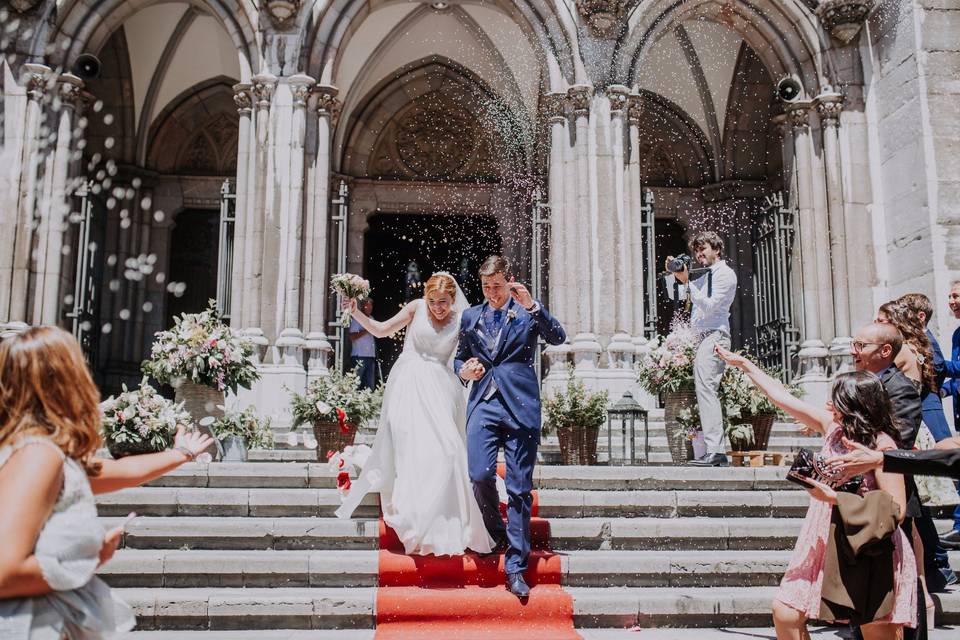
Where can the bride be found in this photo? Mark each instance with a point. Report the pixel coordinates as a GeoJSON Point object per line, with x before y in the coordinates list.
{"type": "Point", "coordinates": [419, 457]}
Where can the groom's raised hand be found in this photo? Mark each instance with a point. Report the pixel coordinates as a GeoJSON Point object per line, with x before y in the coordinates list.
{"type": "Point", "coordinates": [519, 293]}
{"type": "Point", "coordinates": [472, 369]}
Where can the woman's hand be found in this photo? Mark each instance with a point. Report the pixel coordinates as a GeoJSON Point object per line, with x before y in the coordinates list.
{"type": "Point", "coordinates": [820, 491]}
{"type": "Point", "coordinates": [193, 441]}
{"type": "Point", "coordinates": [110, 543]}
{"type": "Point", "coordinates": [733, 359]}
{"type": "Point", "coordinates": [948, 443]}
{"type": "Point", "coordinates": [860, 459]}
{"type": "Point", "coordinates": [348, 304]}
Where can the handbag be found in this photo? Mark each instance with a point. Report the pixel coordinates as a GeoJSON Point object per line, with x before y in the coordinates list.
{"type": "Point", "coordinates": [810, 465]}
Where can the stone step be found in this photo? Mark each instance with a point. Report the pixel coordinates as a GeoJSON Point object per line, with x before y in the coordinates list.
{"type": "Point", "coordinates": [244, 533]}
{"type": "Point", "coordinates": [554, 503]}
{"type": "Point", "coordinates": [296, 475]}
{"type": "Point", "coordinates": [345, 568]}
{"type": "Point", "coordinates": [325, 608]}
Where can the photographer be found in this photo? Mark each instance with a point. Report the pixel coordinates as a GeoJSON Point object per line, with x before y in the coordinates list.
{"type": "Point", "coordinates": [711, 295]}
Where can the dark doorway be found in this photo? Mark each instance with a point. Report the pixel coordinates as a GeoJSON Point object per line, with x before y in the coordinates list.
{"type": "Point", "coordinates": [454, 243]}
{"type": "Point", "coordinates": [193, 259]}
{"type": "Point", "coordinates": [670, 241]}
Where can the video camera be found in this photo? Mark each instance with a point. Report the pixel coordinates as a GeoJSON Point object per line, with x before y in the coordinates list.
{"type": "Point", "coordinates": [679, 263]}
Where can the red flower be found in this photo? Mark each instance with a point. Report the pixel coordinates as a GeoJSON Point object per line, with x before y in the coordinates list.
{"type": "Point", "coordinates": [343, 481]}
{"type": "Point", "coordinates": [342, 420]}
{"type": "Point", "coordinates": [340, 464]}
{"type": "Point", "coordinates": [331, 453]}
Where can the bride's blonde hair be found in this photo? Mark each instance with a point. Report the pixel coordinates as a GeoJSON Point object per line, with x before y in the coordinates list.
{"type": "Point", "coordinates": [440, 282]}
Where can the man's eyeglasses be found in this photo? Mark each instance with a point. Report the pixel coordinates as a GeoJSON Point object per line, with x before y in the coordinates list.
{"type": "Point", "coordinates": [858, 345]}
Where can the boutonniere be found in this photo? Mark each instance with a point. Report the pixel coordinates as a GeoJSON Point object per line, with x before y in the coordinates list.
{"type": "Point", "coordinates": [512, 314]}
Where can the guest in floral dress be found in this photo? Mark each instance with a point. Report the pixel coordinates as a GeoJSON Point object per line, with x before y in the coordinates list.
{"type": "Point", "coordinates": [52, 539]}
{"type": "Point", "coordinates": [860, 411]}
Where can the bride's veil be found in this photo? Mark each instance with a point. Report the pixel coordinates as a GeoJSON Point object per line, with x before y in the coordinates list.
{"type": "Point", "coordinates": [460, 303]}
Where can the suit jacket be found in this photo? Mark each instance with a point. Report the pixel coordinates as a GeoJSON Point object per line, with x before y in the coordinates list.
{"type": "Point", "coordinates": [951, 369]}
{"type": "Point", "coordinates": [905, 398]}
{"type": "Point", "coordinates": [932, 405]}
{"type": "Point", "coordinates": [933, 462]}
{"type": "Point", "coordinates": [511, 362]}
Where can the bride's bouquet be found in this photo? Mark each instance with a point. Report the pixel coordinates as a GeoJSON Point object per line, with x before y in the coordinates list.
{"type": "Point", "coordinates": [351, 287]}
{"type": "Point", "coordinates": [349, 461]}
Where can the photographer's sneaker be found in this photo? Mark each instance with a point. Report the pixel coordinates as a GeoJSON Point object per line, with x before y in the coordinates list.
{"type": "Point", "coordinates": [710, 460]}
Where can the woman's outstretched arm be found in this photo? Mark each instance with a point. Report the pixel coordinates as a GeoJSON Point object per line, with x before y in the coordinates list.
{"type": "Point", "coordinates": [133, 471]}
{"type": "Point", "coordinates": [807, 414]}
{"type": "Point", "coordinates": [376, 328]}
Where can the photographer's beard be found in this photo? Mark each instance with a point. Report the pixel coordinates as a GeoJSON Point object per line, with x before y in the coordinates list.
{"type": "Point", "coordinates": [707, 256]}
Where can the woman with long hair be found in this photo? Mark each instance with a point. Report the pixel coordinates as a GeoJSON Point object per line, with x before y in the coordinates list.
{"type": "Point", "coordinates": [915, 359]}
{"type": "Point", "coordinates": [858, 411]}
{"type": "Point", "coordinates": [52, 539]}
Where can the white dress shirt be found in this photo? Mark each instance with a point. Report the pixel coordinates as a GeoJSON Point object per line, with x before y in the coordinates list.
{"type": "Point", "coordinates": [712, 312]}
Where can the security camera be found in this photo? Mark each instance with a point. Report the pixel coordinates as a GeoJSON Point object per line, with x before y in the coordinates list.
{"type": "Point", "coordinates": [87, 66]}
{"type": "Point", "coordinates": [788, 90]}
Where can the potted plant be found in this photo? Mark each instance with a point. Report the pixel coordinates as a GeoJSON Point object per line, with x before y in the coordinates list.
{"type": "Point", "coordinates": [667, 370]}
{"type": "Point", "coordinates": [201, 358]}
{"type": "Point", "coordinates": [240, 431]}
{"type": "Point", "coordinates": [140, 421]}
{"type": "Point", "coordinates": [335, 405]}
{"type": "Point", "coordinates": [576, 415]}
{"type": "Point", "coordinates": [748, 412]}
{"type": "Point", "coordinates": [692, 432]}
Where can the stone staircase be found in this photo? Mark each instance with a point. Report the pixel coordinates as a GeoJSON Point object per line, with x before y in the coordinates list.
{"type": "Point", "coordinates": [244, 550]}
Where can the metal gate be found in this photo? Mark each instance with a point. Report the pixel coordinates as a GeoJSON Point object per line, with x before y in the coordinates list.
{"type": "Point", "coordinates": [648, 239]}
{"type": "Point", "coordinates": [81, 312]}
{"type": "Point", "coordinates": [539, 239]}
{"type": "Point", "coordinates": [338, 334]}
{"type": "Point", "coordinates": [772, 234]}
{"type": "Point", "coordinates": [228, 219]}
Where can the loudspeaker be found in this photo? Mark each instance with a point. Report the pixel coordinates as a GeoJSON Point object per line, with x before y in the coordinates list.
{"type": "Point", "coordinates": [788, 90]}
{"type": "Point", "coordinates": [86, 67]}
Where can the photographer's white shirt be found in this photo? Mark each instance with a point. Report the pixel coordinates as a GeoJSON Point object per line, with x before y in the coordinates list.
{"type": "Point", "coordinates": [712, 312]}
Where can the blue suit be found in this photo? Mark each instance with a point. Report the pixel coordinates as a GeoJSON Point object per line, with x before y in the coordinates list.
{"type": "Point", "coordinates": [933, 415]}
{"type": "Point", "coordinates": [506, 416]}
{"type": "Point", "coordinates": [951, 370]}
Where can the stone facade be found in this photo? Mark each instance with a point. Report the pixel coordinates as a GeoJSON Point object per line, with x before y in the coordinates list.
{"type": "Point", "coordinates": [450, 109]}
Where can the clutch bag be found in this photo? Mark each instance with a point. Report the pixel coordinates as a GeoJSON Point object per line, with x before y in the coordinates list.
{"type": "Point", "coordinates": [810, 465]}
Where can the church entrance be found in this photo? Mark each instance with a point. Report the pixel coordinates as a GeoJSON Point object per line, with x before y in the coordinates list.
{"type": "Point", "coordinates": [404, 250]}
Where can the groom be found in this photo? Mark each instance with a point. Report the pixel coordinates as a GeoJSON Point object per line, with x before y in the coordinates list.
{"type": "Point", "coordinates": [498, 341]}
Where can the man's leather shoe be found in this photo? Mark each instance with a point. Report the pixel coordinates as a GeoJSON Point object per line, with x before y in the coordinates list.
{"type": "Point", "coordinates": [951, 539]}
{"type": "Point", "coordinates": [517, 585]}
{"type": "Point", "coordinates": [710, 460]}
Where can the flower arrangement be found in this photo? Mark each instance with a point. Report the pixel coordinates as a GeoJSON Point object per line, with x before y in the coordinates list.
{"type": "Point", "coordinates": [743, 404]}
{"type": "Point", "coordinates": [202, 349]}
{"type": "Point", "coordinates": [140, 421]}
{"type": "Point", "coordinates": [336, 397]}
{"type": "Point", "coordinates": [689, 419]}
{"type": "Point", "coordinates": [246, 424]}
{"type": "Point", "coordinates": [668, 366]}
{"type": "Point", "coordinates": [576, 407]}
{"type": "Point", "coordinates": [351, 287]}
{"type": "Point", "coordinates": [346, 463]}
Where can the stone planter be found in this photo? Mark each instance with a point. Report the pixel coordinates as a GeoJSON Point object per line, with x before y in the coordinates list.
{"type": "Point", "coordinates": [330, 438]}
{"type": "Point", "coordinates": [762, 426]}
{"type": "Point", "coordinates": [578, 445]}
{"type": "Point", "coordinates": [674, 403]}
{"type": "Point", "coordinates": [234, 449]}
{"type": "Point", "coordinates": [200, 402]}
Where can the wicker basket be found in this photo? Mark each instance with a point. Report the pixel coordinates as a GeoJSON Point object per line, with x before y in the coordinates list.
{"type": "Point", "coordinates": [331, 438]}
{"type": "Point", "coordinates": [123, 449]}
{"type": "Point", "coordinates": [762, 426]}
{"type": "Point", "coordinates": [578, 445]}
{"type": "Point", "coordinates": [674, 403]}
{"type": "Point", "coordinates": [201, 401]}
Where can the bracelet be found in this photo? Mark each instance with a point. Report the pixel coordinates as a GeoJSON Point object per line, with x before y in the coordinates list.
{"type": "Point", "coordinates": [191, 456]}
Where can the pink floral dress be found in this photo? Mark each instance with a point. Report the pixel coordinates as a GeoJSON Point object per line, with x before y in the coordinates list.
{"type": "Point", "coordinates": [803, 580]}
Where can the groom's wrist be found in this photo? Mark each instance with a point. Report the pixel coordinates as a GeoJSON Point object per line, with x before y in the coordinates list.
{"type": "Point", "coordinates": [533, 308]}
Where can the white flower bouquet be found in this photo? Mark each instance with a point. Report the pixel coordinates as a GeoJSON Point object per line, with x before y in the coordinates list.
{"type": "Point", "coordinates": [668, 366]}
{"type": "Point", "coordinates": [202, 349]}
{"type": "Point", "coordinates": [347, 463]}
{"type": "Point", "coordinates": [351, 287]}
{"type": "Point", "coordinates": [140, 421]}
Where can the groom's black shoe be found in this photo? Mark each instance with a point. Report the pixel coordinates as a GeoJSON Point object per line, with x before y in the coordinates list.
{"type": "Point", "coordinates": [710, 460]}
{"type": "Point", "coordinates": [517, 585]}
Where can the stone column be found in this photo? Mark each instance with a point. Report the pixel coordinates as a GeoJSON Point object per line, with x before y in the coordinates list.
{"type": "Point", "coordinates": [560, 240]}
{"type": "Point", "coordinates": [36, 79]}
{"type": "Point", "coordinates": [829, 106]}
{"type": "Point", "coordinates": [635, 248]}
{"type": "Point", "coordinates": [243, 214]}
{"type": "Point", "coordinates": [585, 347]}
{"type": "Point", "coordinates": [813, 352]}
{"type": "Point", "coordinates": [317, 238]}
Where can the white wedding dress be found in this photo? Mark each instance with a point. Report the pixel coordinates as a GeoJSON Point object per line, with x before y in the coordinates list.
{"type": "Point", "coordinates": [419, 458]}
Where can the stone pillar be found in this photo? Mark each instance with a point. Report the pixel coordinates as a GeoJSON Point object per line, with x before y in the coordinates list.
{"type": "Point", "coordinates": [585, 347]}
{"type": "Point", "coordinates": [560, 240]}
{"type": "Point", "coordinates": [829, 106]}
{"type": "Point", "coordinates": [243, 217]}
{"type": "Point", "coordinates": [36, 79]}
{"type": "Point", "coordinates": [813, 352]}
{"type": "Point", "coordinates": [317, 238]}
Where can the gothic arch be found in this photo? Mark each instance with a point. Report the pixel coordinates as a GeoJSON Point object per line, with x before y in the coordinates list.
{"type": "Point", "coordinates": [674, 151]}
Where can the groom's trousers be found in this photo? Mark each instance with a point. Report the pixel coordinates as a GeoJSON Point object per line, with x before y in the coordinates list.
{"type": "Point", "coordinates": [490, 428]}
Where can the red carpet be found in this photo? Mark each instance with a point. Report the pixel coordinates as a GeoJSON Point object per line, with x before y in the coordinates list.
{"type": "Point", "coordinates": [464, 597]}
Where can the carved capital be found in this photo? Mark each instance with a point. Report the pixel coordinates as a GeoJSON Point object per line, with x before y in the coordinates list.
{"type": "Point", "coordinates": [70, 88]}
{"type": "Point", "coordinates": [605, 18]}
{"type": "Point", "coordinates": [555, 107]}
{"type": "Point", "coordinates": [799, 115]}
{"type": "Point", "coordinates": [282, 12]}
{"type": "Point", "coordinates": [635, 108]}
{"type": "Point", "coordinates": [263, 86]}
{"type": "Point", "coordinates": [35, 79]}
{"type": "Point", "coordinates": [618, 95]}
{"type": "Point", "coordinates": [326, 103]}
{"type": "Point", "coordinates": [829, 106]}
{"type": "Point", "coordinates": [242, 98]}
{"type": "Point", "coordinates": [579, 96]}
{"type": "Point", "coordinates": [842, 19]}
{"type": "Point", "coordinates": [300, 86]}
{"type": "Point", "coordinates": [781, 123]}
{"type": "Point", "coordinates": [22, 6]}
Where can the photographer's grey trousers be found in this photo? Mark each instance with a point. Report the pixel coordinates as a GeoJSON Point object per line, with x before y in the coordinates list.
{"type": "Point", "coordinates": [707, 371]}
